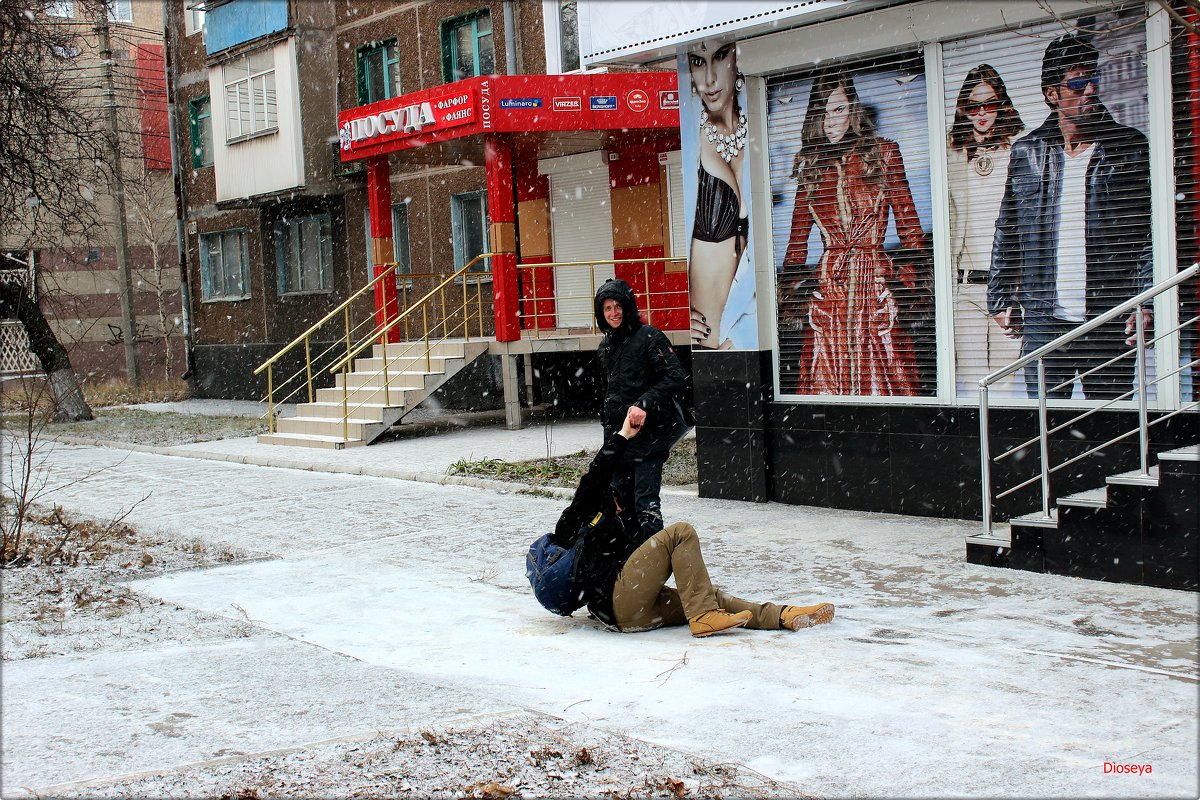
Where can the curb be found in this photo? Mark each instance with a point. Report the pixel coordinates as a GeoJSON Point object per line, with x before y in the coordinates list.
{"type": "Point", "coordinates": [415, 476]}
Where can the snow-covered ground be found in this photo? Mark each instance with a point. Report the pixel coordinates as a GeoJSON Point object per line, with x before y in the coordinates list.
{"type": "Point", "coordinates": [397, 604]}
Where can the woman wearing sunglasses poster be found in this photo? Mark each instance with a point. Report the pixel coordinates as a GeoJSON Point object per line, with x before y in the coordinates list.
{"type": "Point", "coordinates": [980, 140]}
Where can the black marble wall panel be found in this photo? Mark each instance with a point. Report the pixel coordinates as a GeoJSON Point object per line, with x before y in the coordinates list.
{"type": "Point", "coordinates": [925, 460]}
{"type": "Point", "coordinates": [730, 463]}
{"type": "Point", "coordinates": [226, 371]}
{"type": "Point", "coordinates": [730, 391]}
{"type": "Point", "coordinates": [1171, 528]}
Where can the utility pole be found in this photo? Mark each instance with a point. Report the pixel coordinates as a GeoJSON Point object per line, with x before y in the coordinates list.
{"type": "Point", "coordinates": [124, 279]}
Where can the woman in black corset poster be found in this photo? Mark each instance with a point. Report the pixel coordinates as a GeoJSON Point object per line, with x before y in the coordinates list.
{"type": "Point", "coordinates": [720, 274]}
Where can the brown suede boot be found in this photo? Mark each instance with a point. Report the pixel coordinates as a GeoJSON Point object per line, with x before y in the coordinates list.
{"type": "Point", "coordinates": [716, 621]}
{"type": "Point", "coordinates": [796, 617]}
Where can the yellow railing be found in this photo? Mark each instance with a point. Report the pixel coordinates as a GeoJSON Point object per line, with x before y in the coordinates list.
{"type": "Point", "coordinates": [650, 303]}
{"type": "Point", "coordinates": [465, 278]}
{"type": "Point", "coordinates": [353, 338]}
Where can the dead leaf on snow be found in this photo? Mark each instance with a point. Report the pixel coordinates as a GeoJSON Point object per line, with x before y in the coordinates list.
{"type": "Point", "coordinates": [491, 791]}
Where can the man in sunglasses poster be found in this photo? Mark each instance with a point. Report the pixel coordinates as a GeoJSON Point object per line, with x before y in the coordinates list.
{"type": "Point", "coordinates": [1073, 235]}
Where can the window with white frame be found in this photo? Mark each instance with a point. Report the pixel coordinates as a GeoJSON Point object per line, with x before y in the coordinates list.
{"type": "Point", "coordinates": [468, 218]}
{"type": "Point", "coordinates": [560, 21]}
{"type": "Point", "coordinates": [120, 10]}
{"type": "Point", "coordinates": [61, 8]}
{"type": "Point", "coordinates": [568, 35]}
{"type": "Point", "coordinates": [304, 255]}
{"type": "Point", "coordinates": [251, 106]}
{"type": "Point", "coordinates": [224, 268]}
{"type": "Point", "coordinates": [193, 21]}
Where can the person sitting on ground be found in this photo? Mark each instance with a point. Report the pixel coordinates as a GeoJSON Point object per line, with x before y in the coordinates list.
{"type": "Point", "coordinates": [621, 574]}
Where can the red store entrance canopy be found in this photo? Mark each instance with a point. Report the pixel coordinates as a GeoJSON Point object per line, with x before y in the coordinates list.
{"type": "Point", "coordinates": [510, 104]}
{"type": "Point", "coordinates": [487, 119]}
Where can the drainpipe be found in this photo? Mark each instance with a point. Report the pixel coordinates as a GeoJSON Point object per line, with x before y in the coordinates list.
{"type": "Point", "coordinates": [510, 38]}
{"type": "Point", "coordinates": [185, 291]}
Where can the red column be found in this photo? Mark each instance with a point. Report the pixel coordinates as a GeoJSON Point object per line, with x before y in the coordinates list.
{"type": "Point", "coordinates": [379, 207]}
{"type": "Point", "coordinates": [502, 210]}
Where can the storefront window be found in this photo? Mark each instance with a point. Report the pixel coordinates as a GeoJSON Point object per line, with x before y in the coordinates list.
{"type": "Point", "coordinates": [1049, 186]}
{"type": "Point", "coordinates": [852, 230]}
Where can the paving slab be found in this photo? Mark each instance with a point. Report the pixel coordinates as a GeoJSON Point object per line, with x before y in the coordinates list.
{"type": "Point", "coordinates": [105, 715]}
{"type": "Point", "coordinates": [937, 678]}
{"type": "Point", "coordinates": [825, 709]}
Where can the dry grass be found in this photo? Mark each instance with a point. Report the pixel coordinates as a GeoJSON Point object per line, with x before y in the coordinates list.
{"type": "Point", "coordinates": [679, 470]}
{"type": "Point", "coordinates": [67, 591]}
{"type": "Point", "coordinates": [19, 395]}
{"type": "Point", "coordinates": [156, 428]}
{"type": "Point", "coordinates": [121, 392]}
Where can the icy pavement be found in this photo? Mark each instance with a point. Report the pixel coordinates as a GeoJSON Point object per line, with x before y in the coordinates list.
{"type": "Point", "coordinates": [402, 602]}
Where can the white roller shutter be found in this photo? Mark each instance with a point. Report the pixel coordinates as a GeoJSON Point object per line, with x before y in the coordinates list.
{"type": "Point", "coordinates": [674, 168]}
{"type": "Point", "coordinates": [581, 230]}
{"type": "Point", "coordinates": [899, 357]}
{"type": "Point", "coordinates": [975, 189]}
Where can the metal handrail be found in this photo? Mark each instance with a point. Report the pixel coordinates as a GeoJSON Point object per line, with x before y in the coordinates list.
{"type": "Point", "coordinates": [380, 334]}
{"type": "Point", "coordinates": [1119, 398]}
{"type": "Point", "coordinates": [391, 268]}
{"type": "Point", "coordinates": [342, 309]}
{"type": "Point", "coordinates": [647, 308]}
{"type": "Point", "coordinates": [1044, 431]}
{"type": "Point", "coordinates": [388, 326]}
{"type": "Point", "coordinates": [303, 377]}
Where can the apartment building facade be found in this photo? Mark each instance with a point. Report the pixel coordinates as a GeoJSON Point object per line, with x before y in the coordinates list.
{"type": "Point", "coordinates": [74, 278]}
{"type": "Point", "coordinates": [276, 226]}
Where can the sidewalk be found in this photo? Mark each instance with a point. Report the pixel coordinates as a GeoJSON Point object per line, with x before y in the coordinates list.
{"type": "Point", "coordinates": [398, 603]}
{"type": "Point", "coordinates": [423, 452]}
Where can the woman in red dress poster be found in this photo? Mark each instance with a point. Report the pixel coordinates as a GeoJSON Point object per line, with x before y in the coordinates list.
{"type": "Point", "coordinates": [849, 180]}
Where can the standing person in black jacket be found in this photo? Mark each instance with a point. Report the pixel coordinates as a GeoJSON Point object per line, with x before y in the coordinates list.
{"type": "Point", "coordinates": [621, 574]}
{"type": "Point", "coordinates": [645, 378]}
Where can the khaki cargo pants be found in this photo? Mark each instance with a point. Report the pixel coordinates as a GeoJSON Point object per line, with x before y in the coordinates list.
{"type": "Point", "coordinates": [642, 601]}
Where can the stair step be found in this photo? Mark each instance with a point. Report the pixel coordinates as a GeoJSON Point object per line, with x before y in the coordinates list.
{"type": "Point", "coordinates": [997, 538]}
{"type": "Point", "coordinates": [1135, 478]}
{"type": "Point", "coordinates": [1036, 520]}
{"type": "Point", "coordinates": [372, 408]}
{"type": "Point", "coordinates": [1189, 453]}
{"type": "Point", "coordinates": [400, 398]}
{"type": "Point", "coordinates": [1092, 498]}
{"type": "Point", "coordinates": [372, 380]}
{"type": "Point", "coordinates": [372, 411]}
{"type": "Point", "coordinates": [326, 420]}
{"type": "Point", "coordinates": [323, 426]}
{"type": "Point", "coordinates": [438, 350]}
{"type": "Point", "coordinates": [308, 440]}
{"type": "Point", "coordinates": [404, 364]}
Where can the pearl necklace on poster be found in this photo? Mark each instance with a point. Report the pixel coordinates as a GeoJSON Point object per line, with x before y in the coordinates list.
{"type": "Point", "coordinates": [728, 145]}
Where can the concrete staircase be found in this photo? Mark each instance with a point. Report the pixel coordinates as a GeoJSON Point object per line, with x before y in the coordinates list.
{"type": "Point", "coordinates": [1134, 529]}
{"type": "Point", "coordinates": [372, 410]}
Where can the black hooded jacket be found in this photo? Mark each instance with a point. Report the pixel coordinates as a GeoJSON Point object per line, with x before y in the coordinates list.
{"type": "Point", "coordinates": [610, 536]}
{"type": "Point", "coordinates": [642, 370]}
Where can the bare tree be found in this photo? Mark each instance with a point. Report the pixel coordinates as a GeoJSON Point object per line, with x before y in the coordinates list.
{"type": "Point", "coordinates": [1184, 12]}
{"type": "Point", "coordinates": [53, 161]}
{"type": "Point", "coordinates": [146, 197]}
{"type": "Point", "coordinates": [69, 402]}
{"type": "Point", "coordinates": [53, 158]}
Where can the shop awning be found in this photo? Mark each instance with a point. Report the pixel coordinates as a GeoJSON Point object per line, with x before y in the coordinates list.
{"type": "Point", "coordinates": [548, 114]}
